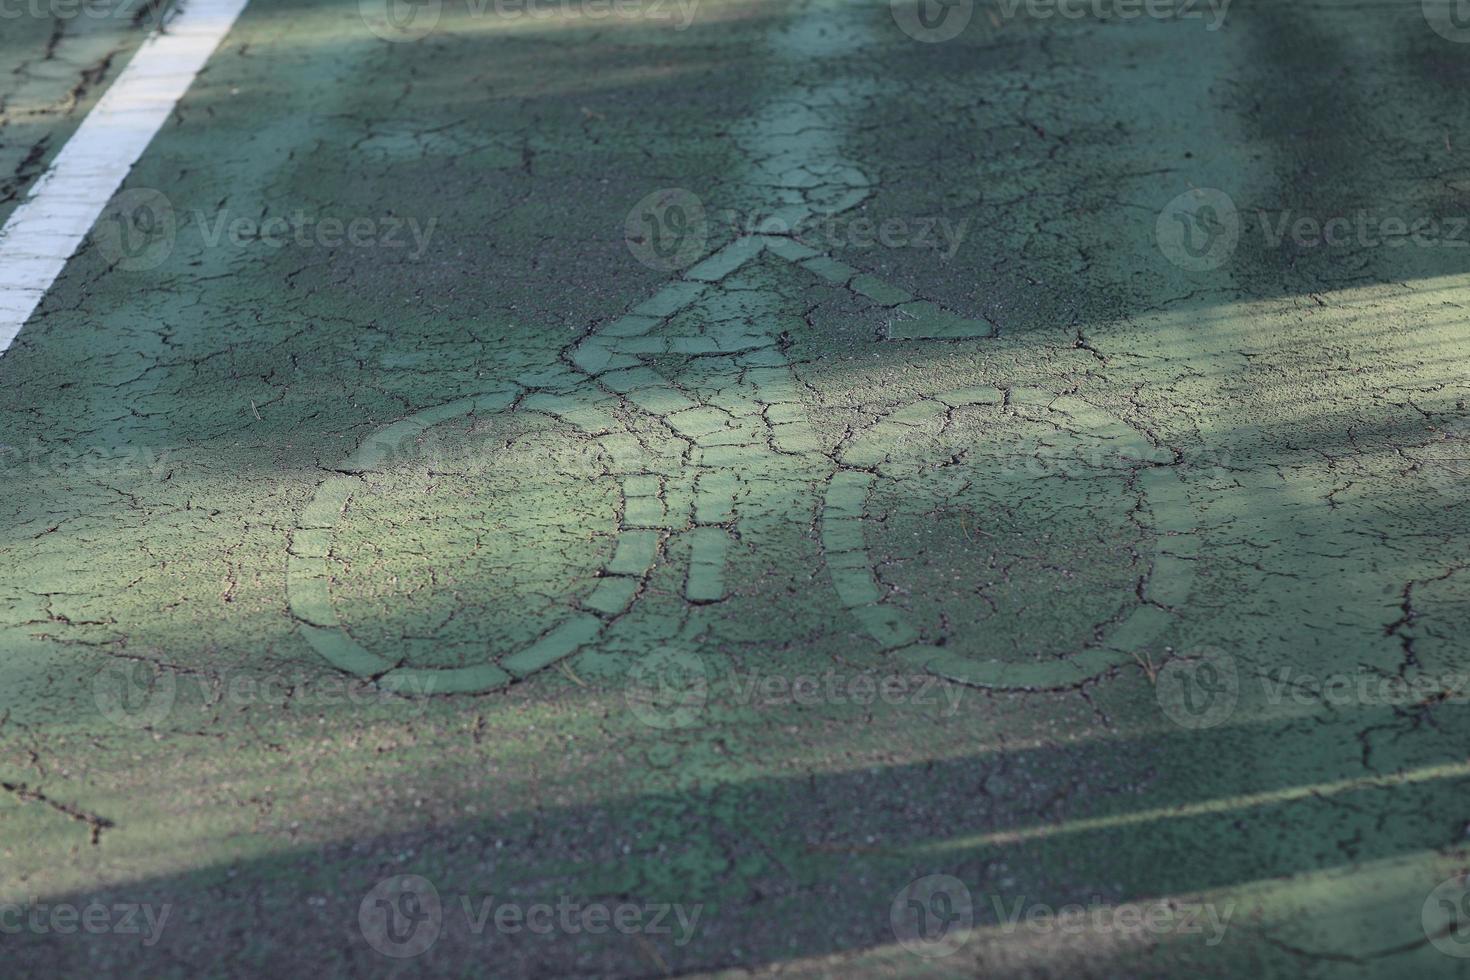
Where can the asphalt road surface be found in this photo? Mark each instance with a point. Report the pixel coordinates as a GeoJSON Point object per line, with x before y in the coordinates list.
{"type": "Point", "coordinates": [736, 487]}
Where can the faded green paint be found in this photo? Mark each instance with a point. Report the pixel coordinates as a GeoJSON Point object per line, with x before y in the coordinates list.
{"type": "Point", "coordinates": [609, 513]}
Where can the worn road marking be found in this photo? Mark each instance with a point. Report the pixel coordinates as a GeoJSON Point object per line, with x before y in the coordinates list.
{"type": "Point", "coordinates": [753, 447]}
{"type": "Point", "coordinates": [45, 230]}
{"type": "Point", "coordinates": [309, 575]}
{"type": "Point", "coordinates": [796, 170]}
{"type": "Point", "coordinates": [1164, 509]}
{"type": "Point", "coordinates": [756, 443]}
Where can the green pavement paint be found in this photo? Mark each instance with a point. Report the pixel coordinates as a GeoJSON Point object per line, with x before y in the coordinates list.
{"type": "Point", "coordinates": [970, 525]}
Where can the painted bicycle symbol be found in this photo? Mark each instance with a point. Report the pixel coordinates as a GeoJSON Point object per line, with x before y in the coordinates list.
{"type": "Point", "coordinates": [690, 511]}
{"type": "Point", "coordinates": [614, 376]}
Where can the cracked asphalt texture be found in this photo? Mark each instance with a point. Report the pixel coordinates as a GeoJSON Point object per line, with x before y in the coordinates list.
{"type": "Point", "coordinates": [586, 503]}
{"type": "Point", "coordinates": [54, 68]}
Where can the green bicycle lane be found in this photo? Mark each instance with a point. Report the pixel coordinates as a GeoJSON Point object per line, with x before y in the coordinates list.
{"type": "Point", "coordinates": [225, 383]}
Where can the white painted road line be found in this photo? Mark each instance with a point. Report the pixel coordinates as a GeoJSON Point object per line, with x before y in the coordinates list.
{"type": "Point", "coordinates": [64, 204]}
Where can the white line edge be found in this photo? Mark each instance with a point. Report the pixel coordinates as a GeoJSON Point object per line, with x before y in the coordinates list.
{"type": "Point", "coordinates": [64, 203]}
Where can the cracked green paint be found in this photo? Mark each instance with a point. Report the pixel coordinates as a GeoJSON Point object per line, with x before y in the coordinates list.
{"type": "Point", "coordinates": [796, 172]}
{"type": "Point", "coordinates": [1307, 399]}
{"type": "Point", "coordinates": [1076, 456]}
{"type": "Point", "coordinates": [629, 555]}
